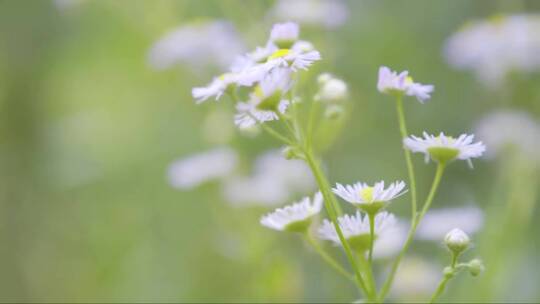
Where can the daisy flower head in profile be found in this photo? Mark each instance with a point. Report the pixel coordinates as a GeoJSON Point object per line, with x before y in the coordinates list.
{"type": "Point", "coordinates": [296, 217]}
{"type": "Point", "coordinates": [216, 88]}
{"type": "Point", "coordinates": [191, 171]}
{"type": "Point", "coordinates": [355, 229]}
{"type": "Point", "coordinates": [371, 199]}
{"type": "Point", "coordinates": [266, 102]}
{"type": "Point", "coordinates": [390, 82]}
{"type": "Point", "coordinates": [443, 148]}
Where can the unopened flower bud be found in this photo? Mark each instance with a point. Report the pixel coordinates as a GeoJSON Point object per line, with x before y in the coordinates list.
{"type": "Point", "coordinates": [323, 78]}
{"type": "Point", "coordinates": [333, 90]}
{"type": "Point", "coordinates": [457, 240]}
{"type": "Point", "coordinates": [476, 266]}
{"type": "Point", "coordinates": [448, 272]}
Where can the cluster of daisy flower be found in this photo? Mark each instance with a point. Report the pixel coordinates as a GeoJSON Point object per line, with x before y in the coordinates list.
{"type": "Point", "coordinates": [494, 47]}
{"type": "Point", "coordinates": [268, 74]}
{"type": "Point", "coordinates": [355, 227]}
{"type": "Point", "coordinates": [262, 86]}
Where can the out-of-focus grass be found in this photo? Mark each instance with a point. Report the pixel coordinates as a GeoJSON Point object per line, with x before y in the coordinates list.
{"type": "Point", "coordinates": [88, 131]}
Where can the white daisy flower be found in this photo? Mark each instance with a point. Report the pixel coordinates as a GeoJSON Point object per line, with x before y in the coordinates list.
{"type": "Point", "coordinates": [391, 82]}
{"type": "Point", "coordinates": [495, 47]}
{"type": "Point", "coordinates": [355, 229]}
{"type": "Point", "coordinates": [296, 58]}
{"type": "Point", "coordinates": [248, 115]}
{"type": "Point", "coordinates": [284, 35]}
{"type": "Point", "coordinates": [197, 45]}
{"type": "Point", "coordinates": [505, 130]}
{"type": "Point", "coordinates": [326, 13]}
{"type": "Point", "coordinates": [194, 170]}
{"type": "Point", "coordinates": [437, 222]}
{"type": "Point", "coordinates": [444, 148]}
{"type": "Point", "coordinates": [370, 199]}
{"type": "Point", "coordinates": [296, 217]}
{"type": "Point", "coordinates": [250, 67]}
{"type": "Point", "coordinates": [255, 66]}
{"type": "Point", "coordinates": [216, 88]}
{"type": "Point", "coordinates": [265, 100]}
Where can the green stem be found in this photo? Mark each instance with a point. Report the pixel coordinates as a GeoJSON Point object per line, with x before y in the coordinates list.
{"type": "Point", "coordinates": [288, 125]}
{"type": "Point", "coordinates": [329, 203]}
{"type": "Point", "coordinates": [273, 132]}
{"type": "Point", "coordinates": [440, 289]}
{"type": "Point", "coordinates": [371, 217]}
{"type": "Point", "coordinates": [408, 159]}
{"type": "Point", "coordinates": [412, 231]}
{"type": "Point", "coordinates": [314, 109]}
{"type": "Point", "coordinates": [327, 258]}
{"type": "Point", "coordinates": [276, 134]}
{"type": "Point", "coordinates": [369, 274]}
{"type": "Point", "coordinates": [447, 276]}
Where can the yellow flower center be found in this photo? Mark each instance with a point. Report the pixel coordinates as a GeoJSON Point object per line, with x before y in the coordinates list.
{"type": "Point", "coordinates": [497, 19]}
{"type": "Point", "coordinates": [367, 194]}
{"type": "Point", "coordinates": [409, 80]}
{"type": "Point", "coordinates": [258, 91]}
{"type": "Point", "coordinates": [279, 54]}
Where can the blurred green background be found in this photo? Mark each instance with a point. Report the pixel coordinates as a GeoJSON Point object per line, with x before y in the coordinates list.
{"type": "Point", "coordinates": [88, 131]}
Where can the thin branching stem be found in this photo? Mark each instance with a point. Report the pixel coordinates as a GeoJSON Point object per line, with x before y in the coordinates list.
{"type": "Point", "coordinates": [412, 230]}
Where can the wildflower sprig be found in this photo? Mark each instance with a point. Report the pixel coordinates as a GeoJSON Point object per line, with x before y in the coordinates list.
{"type": "Point", "coordinates": [262, 85]}
{"type": "Point", "coordinates": [457, 242]}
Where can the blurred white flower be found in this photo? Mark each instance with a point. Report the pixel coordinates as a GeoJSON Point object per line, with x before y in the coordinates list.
{"type": "Point", "coordinates": [191, 171]}
{"type": "Point", "coordinates": [444, 148]}
{"type": "Point", "coordinates": [415, 279]}
{"type": "Point", "coordinates": [294, 173]}
{"type": "Point", "coordinates": [327, 13]}
{"type": "Point", "coordinates": [369, 198]}
{"type": "Point", "coordinates": [511, 129]}
{"type": "Point", "coordinates": [243, 191]}
{"type": "Point", "coordinates": [391, 82]}
{"type": "Point", "coordinates": [274, 180]}
{"type": "Point", "coordinates": [295, 217]}
{"type": "Point", "coordinates": [391, 242]}
{"type": "Point", "coordinates": [355, 229]}
{"type": "Point", "coordinates": [196, 45]}
{"type": "Point", "coordinates": [331, 89]}
{"type": "Point", "coordinates": [436, 223]}
{"type": "Point", "coordinates": [494, 47]}
{"type": "Point", "coordinates": [284, 35]}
